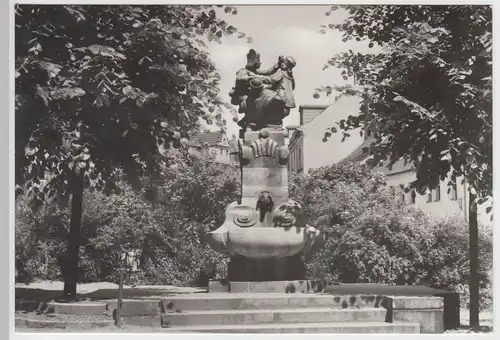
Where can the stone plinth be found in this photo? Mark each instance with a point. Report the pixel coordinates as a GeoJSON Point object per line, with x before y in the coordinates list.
{"type": "Point", "coordinates": [450, 300]}
{"type": "Point", "coordinates": [265, 234]}
{"type": "Point", "coordinates": [264, 167]}
{"type": "Point", "coordinates": [242, 268]}
{"type": "Point", "coordinates": [290, 287]}
{"type": "Point", "coordinates": [427, 311]}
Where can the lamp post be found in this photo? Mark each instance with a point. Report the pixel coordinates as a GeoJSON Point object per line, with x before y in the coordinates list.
{"type": "Point", "coordinates": [118, 315]}
{"type": "Point", "coordinates": [128, 259]}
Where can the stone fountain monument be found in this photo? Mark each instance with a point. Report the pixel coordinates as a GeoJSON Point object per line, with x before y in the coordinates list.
{"type": "Point", "coordinates": [265, 233]}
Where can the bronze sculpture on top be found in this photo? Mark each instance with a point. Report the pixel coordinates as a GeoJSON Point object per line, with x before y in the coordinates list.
{"type": "Point", "coordinates": [264, 96]}
{"type": "Point", "coordinates": [265, 234]}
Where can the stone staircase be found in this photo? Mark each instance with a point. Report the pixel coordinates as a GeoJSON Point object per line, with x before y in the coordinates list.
{"type": "Point", "coordinates": [266, 307]}
{"type": "Point", "coordinates": [279, 313]}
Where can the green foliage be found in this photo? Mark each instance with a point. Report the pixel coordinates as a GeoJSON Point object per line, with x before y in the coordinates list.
{"type": "Point", "coordinates": [40, 236]}
{"type": "Point", "coordinates": [328, 194]}
{"type": "Point", "coordinates": [101, 90]}
{"type": "Point", "coordinates": [197, 185]}
{"type": "Point", "coordinates": [104, 87]}
{"type": "Point", "coordinates": [166, 230]}
{"type": "Point", "coordinates": [448, 260]}
{"type": "Point", "coordinates": [374, 238]}
{"type": "Point", "coordinates": [430, 88]}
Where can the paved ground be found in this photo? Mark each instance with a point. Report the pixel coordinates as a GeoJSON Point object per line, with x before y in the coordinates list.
{"type": "Point", "coordinates": [485, 318]}
{"type": "Point", "coordinates": [48, 291]}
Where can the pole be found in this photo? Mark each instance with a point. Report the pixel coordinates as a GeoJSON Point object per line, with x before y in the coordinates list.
{"type": "Point", "coordinates": [71, 265]}
{"type": "Point", "coordinates": [118, 316]}
{"type": "Point", "coordinates": [474, 263]}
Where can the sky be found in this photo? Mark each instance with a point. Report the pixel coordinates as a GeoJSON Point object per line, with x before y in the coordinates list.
{"type": "Point", "coordinates": [290, 30]}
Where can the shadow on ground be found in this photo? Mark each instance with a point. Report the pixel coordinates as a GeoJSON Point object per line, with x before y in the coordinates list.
{"type": "Point", "coordinates": [28, 299]}
{"type": "Point", "coordinates": [467, 329]}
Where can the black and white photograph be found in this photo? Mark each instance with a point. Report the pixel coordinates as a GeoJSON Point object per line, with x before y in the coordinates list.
{"type": "Point", "coordinates": [252, 168]}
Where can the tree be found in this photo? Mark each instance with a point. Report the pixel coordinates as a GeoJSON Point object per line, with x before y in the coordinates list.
{"type": "Point", "coordinates": [164, 224]}
{"type": "Point", "coordinates": [102, 88]}
{"type": "Point", "coordinates": [374, 237]}
{"type": "Point", "coordinates": [429, 96]}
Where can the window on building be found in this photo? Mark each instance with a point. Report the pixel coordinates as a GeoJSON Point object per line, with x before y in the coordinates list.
{"type": "Point", "coordinates": [392, 190]}
{"type": "Point", "coordinates": [429, 197]}
{"type": "Point", "coordinates": [437, 194]}
{"type": "Point", "coordinates": [413, 196]}
{"type": "Point", "coordinates": [300, 158]}
{"type": "Point", "coordinates": [402, 197]}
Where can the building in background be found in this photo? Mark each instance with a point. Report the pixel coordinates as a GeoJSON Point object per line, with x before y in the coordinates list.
{"type": "Point", "coordinates": [449, 198]}
{"type": "Point", "coordinates": [234, 153]}
{"type": "Point", "coordinates": [213, 143]}
{"type": "Point", "coordinates": [309, 151]}
{"type": "Point", "coordinates": [306, 146]}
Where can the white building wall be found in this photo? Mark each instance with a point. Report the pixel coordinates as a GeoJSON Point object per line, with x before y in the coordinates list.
{"type": "Point", "coordinates": [217, 153]}
{"type": "Point", "coordinates": [446, 204]}
{"type": "Point", "coordinates": [220, 154]}
{"type": "Point", "coordinates": [318, 153]}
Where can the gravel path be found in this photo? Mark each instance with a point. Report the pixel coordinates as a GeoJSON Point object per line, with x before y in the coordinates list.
{"type": "Point", "coordinates": [61, 317]}
{"type": "Point", "coordinates": [50, 291]}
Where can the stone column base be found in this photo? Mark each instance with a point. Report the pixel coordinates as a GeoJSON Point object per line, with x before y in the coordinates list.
{"type": "Point", "coordinates": [258, 270]}
{"type": "Point", "coordinates": [289, 287]}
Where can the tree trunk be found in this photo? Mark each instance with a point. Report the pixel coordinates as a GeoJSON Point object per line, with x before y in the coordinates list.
{"type": "Point", "coordinates": [474, 263]}
{"type": "Point", "coordinates": [71, 268]}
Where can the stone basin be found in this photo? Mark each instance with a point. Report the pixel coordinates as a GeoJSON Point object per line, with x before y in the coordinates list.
{"type": "Point", "coordinates": [261, 242]}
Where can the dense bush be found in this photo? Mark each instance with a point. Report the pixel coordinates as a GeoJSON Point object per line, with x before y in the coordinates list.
{"type": "Point", "coordinates": [448, 260]}
{"type": "Point", "coordinates": [40, 240]}
{"type": "Point", "coordinates": [374, 238]}
{"type": "Point", "coordinates": [164, 223]}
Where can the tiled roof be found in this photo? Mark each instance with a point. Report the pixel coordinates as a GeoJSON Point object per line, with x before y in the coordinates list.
{"type": "Point", "coordinates": [358, 155]}
{"type": "Point", "coordinates": [210, 138]}
{"type": "Point", "coordinates": [397, 168]}
{"type": "Point", "coordinates": [312, 106]}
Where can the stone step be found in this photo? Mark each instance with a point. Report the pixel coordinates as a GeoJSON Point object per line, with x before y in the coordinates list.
{"type": "Point", "coordinates": [23, 323]}
{"type": "Point", "coordinates": [230, 301]}
{"type": "Point", "coordinates": [247, 317]}
{"type": "Point", "coordinates": [134, 308]}
{"type": "Point", "coordinates": [79, 308]}
{"type": "Point", "coordinates": [338, 327]}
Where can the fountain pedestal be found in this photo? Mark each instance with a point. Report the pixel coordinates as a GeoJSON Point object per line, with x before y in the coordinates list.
{"type": "Point", "coordinates": [242, 269]}
{"type": "Point", "coordinates": [265, 235]}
